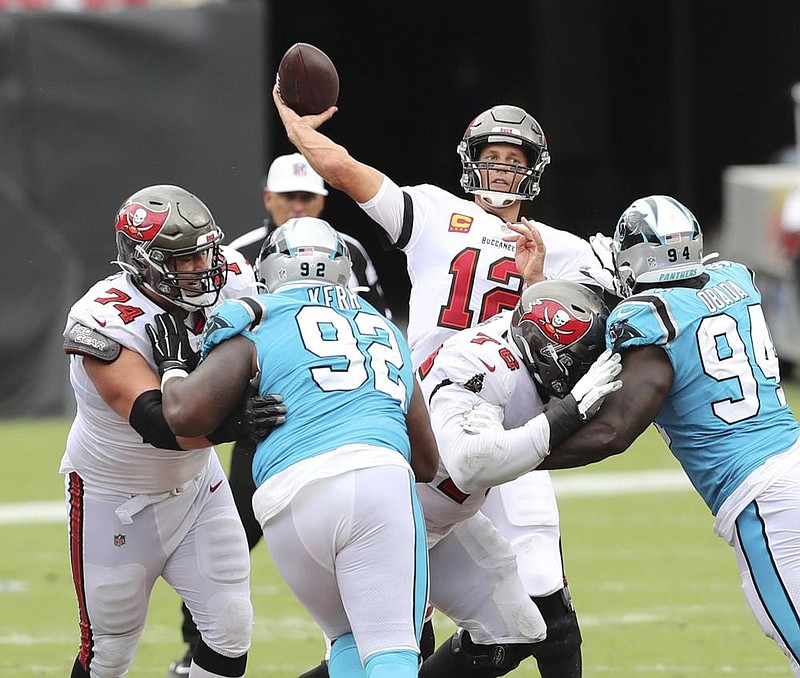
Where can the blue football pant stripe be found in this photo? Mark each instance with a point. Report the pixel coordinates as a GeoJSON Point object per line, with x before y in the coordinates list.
{"type": "Point", "coordinates": [421, 582]}
{"type": "Point", "coordinates": [769, 585]}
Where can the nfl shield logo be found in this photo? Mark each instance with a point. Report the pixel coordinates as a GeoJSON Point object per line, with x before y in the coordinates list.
{"type": "Point", "coordinates": [119, 540]}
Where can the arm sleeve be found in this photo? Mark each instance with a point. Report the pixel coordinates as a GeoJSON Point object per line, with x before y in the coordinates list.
{"type": "Point", "coordinates": [387, 209]}
{"type": "Point", "coordinates": [492, 457]}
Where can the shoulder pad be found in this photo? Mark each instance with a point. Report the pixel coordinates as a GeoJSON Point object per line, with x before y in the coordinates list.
{"type": "Point", "coordinates": [232, 317]}
{"type": "Point", "coordinates": [82, 340]}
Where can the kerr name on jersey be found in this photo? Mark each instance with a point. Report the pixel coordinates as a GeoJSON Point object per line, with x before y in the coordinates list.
{"type": "Point", "coordinates": [336, 296]}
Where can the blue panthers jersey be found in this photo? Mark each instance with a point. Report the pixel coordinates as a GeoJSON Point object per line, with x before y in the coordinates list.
{"type": "Point", "coordinates": [726, 412]}
{"type": "Point", "coordinates": [343, 369]}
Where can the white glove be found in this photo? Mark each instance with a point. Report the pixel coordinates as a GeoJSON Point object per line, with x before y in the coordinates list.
{"type": "Point", "coordinates": [596, 384]}
{"type": "Point", "coordinates": [603, 274]}
{"type": "Point", "coordinates": [483, 417]}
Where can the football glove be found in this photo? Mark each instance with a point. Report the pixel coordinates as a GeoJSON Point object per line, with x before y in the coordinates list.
{"type": "Point", "coordinates": [567, 414]}
{"type": "Point", "coordinates": [255, 418]}
{"type": "Point", "coordinates": [596, 384]}
{"type": "Point", "coordinates": [603, 274]}
{"type": "Point", "coordinates": [170, 342]}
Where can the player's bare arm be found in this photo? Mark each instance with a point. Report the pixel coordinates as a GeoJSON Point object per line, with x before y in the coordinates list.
{"type": "Point", "coordinates": [120, 383]}
{"type": "Point", "coordinates": [647, 378]}
{"type": "Point", "coordinates": [530, 250]}
{"type": "Point", "coordinates": [424, 451]}
{"type": "Point", "coordinates": [332, 161]}
{"type": "Point", "coordinates": [197, 404]}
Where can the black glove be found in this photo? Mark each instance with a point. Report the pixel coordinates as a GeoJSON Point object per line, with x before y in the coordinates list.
{"type": "Point", "coordinates": [170, 341]}
{"type": "Point", "coordinates": [255, 418]}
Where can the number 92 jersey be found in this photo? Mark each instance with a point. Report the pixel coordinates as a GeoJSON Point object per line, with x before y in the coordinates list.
{"type": "Point", "coordinates": [462, 271]}
{"type": "Point", "coordinates": [726, 413]}
{"type": "Point", "coordinates": [343, 369]}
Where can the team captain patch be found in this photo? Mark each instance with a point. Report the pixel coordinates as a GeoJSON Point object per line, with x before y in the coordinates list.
{"type": "Point", "coordinates": [82, 340]}
{"type": "Point", "coordinates": [460, 223]}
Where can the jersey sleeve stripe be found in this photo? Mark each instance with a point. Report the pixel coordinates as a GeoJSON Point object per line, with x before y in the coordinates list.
{"type": "Point", "coordinates": [662, 312]}
{"type": "Point", "coordinates": [257, 311]}
{"type": "Point", "coordinates": [408, 222]}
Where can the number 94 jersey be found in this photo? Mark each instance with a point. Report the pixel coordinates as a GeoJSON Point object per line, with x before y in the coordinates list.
{"type": "Point", "coordinates": [462, 271]}
{"type": "Point", "coordinates": [726, 413]}
{"type": "Point", "coordinates": [343, 369]}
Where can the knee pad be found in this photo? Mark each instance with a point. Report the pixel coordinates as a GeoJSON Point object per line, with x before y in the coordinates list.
{"type": "Point", "coordinates": [231, 631]}
{"type": "Point", "coordinates": [563, 633]}
{"type": "Point", "coordinates": [227, 628]}
{"type": "Point", "coordinates": [539, 558]}
{"type": "Point", "coordinates": [113, 655]}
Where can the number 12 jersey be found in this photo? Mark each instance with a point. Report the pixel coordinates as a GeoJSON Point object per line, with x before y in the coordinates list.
{"type": "Point", "coordinates": [462, 271]}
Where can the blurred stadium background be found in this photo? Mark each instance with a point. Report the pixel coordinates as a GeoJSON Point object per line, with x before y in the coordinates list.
{"type": "Point", "coordinates": [101, 97]}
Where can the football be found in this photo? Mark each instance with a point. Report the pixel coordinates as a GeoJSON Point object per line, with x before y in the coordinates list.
{"type": "Point", "coordinates": [307, 79]}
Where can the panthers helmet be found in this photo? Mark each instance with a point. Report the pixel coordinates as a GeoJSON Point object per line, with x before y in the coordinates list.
{"type": "Point", "coordinates": [158, 224]}
{"type": "Point", "coordinates": [303, 250]}
{"type": "Point", "coordinates": [507, 125]}
{"type": "Point", "coordinates": [657, 240]}
{"type": "Point", "coordinates": [559, 327]}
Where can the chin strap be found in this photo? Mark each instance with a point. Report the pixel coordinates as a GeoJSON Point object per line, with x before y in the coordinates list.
{"type": "Point", "coordinates": [496, 200]}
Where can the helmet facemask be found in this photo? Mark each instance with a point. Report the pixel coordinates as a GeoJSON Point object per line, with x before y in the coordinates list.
{"type": "Point", "coordinates": [503, 125]}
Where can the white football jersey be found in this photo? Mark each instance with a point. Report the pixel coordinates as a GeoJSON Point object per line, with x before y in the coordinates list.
{"type": "Point", "coordinates": [461, 270]}
{"type": "Point", "coordinates": [102, 447]}
{"type": "Point", "coordinates": [488, 367]}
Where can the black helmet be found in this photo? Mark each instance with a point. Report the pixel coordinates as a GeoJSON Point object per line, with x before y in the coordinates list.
{"type": "Point", "coordinates": [156, 225]}
{"type": "Point", "coordinates": [559, 327]}
{"type": "Point", "coordinates": [506, 125]}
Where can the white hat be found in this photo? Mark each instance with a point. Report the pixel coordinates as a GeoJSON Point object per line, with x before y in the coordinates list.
{"type": "Point", "coordinates": [290, 173]}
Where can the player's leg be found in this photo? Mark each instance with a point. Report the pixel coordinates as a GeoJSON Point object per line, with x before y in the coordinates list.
{"type": "Point", "coordinates": [526, 513]}
{"type": "Point", "coordinates": [303, 540]}
{"type": "Point", "coordinates": [210, 569]}
{"type": "Point", "coordinates": [333, 546]}
{"type": "Point", "coordinates": [427, 641]}
{"type": "Point", "coordinates": [475, 582]}
{"type": "Point", "coordinates": [240, 478]}
{"type": "Point", "coordinates": [427, 646]}
{"type": "Point", "coordinates": [460, 657]}
{"type": "Point", "coordinates": [382, 571]}
{"type": "Point", "coordinates": [114, 568]}
{"type": "Point", "coordinates": [243, 487]}
{"type": "Point", "coordinates": [767, 545]}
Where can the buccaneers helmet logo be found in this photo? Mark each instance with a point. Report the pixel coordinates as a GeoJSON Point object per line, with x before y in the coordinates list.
{"type": "Point", "coordinates": [141, 223]}
{"type": "Point", "coordinates": [556, 322]}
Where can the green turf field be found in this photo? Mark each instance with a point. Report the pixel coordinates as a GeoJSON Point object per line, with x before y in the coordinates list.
{"type": "Point", "coordinates": [656, 592]}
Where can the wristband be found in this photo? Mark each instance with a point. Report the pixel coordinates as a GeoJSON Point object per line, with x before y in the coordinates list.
{"type": "Point", "coordinates": [170, 374]}
{"type": "Point", "coordinates": [564, 418]}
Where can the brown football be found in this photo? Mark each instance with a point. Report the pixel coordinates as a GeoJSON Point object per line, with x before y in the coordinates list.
{"type": "Point", "coordinates": [307, 79]}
